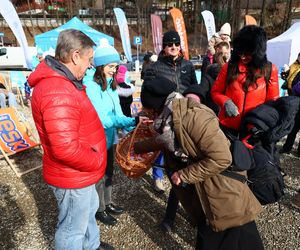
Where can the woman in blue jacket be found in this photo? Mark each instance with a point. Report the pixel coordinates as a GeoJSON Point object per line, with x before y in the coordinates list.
{"type": "Point", "coordinates": [101, 90]}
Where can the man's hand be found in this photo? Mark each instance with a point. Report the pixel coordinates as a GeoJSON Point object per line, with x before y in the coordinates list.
{"type": "Point", "coordinates": [176, 178]}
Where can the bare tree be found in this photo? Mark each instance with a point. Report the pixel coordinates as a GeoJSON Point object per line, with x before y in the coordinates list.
{"type": "Point", "coordinates": [287, 16]}
{"type": "Point", "coordinates": [236, 15]}
{"type": "Point", "coordinates": [44, 15]}
{"type": "Point", "coordinates": [104, 15]}
{"type": "Point", "coordinates": [262, 15]}
{"type": "Point", "coordinates": [247, 7]}
{"type": "Point", "coordinates": [30, 15]}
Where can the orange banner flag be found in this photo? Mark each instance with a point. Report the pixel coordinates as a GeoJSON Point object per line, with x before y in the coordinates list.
{"type": "Point", "coordinates": [180, 28]}
{"type": "Point", "coordinates": [250, 20]}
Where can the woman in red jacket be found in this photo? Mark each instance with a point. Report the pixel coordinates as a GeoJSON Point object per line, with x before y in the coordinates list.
{"type": "Point", "coordinates": [247, 80]}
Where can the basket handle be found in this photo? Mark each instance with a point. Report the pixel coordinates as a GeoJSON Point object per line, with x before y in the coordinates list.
{"type": "Point", "coordinates": [132, 138]}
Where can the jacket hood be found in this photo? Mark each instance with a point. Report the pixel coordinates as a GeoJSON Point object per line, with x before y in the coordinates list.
{"type": "Point", "coordinates": [50, 67]}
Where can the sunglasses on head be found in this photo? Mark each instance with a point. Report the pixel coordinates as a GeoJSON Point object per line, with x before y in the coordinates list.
{"type": "Point", "coordinates": [171, 44]}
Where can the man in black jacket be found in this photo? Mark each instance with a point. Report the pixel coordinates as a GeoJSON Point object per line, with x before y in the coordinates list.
{"type": "Point", "coordinates": [174, 67]}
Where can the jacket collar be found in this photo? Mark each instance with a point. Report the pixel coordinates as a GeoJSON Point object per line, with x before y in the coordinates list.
{"type": "Point", "coordinates": [169, 59]}
{"type": "Point", "coordinates": [63, 70]}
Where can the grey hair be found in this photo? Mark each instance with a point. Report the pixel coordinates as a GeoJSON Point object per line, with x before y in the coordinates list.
{"type": "Point", "coordinates": [70, 40]}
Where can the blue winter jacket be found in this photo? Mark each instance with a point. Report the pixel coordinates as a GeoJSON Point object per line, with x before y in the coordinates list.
{"type": "Point", "coordinates": [107, 105]}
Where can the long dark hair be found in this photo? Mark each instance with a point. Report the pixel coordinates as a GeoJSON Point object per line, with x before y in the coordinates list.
{"type": "Point", "coordinates": [250, 40]}
{"type": "Point", "coordinates": [100, 79]}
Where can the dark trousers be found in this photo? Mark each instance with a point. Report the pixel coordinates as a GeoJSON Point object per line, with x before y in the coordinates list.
{"type": "Point", "coordinates": [172, 207]}
{"type": "Point", "coordinates": [126, 109]}
{"type": "Point", "coordinates": [245, 237]}
{"type": "Point", "coordinates": [288, 145]}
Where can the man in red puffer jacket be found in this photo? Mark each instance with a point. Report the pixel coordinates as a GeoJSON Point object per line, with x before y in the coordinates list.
{"type": "Point", "coordinates": [73, 139]}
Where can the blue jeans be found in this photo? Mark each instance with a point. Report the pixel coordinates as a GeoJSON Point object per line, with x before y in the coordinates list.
{"type": "Point", "coordinates": [157, 171]}
{"type": "Point", "coordinates": [77, 228]}
{"type": "Point", "coordinates": [11, 100]}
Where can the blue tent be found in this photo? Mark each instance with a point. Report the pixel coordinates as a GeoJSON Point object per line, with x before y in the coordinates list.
{"type": "Point", "coordinates": [49, 39]}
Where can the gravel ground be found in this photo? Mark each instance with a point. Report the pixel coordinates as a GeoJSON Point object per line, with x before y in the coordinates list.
{"type": "Point", "coordinates": [28, 212]}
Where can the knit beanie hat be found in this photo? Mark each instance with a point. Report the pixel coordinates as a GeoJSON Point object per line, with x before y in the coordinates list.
{"type": "Point", "coordinates": [225, 29]}
{"type": "Point", "coordinates": [155, 92]}
{"type": "Point", "coordinates": [171, 36]}
{"type": "Point", "coordinates": [120, 76]}
{"type": "Point", "coordinates": [195, 89]}
{"type": "Point", "coordinates": [105, 54]}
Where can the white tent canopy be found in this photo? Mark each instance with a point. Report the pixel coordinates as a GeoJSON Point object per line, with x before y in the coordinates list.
{"type": "Point", "coordinates": [284, 48]}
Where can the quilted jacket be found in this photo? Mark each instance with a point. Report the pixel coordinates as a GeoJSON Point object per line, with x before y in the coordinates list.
{"type": "Point", "coordinates": [245, 102]}
{"type": "Point", "coordinates": [70, 131]}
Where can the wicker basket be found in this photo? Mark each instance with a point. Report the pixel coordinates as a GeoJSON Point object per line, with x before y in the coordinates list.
{"type": "Point", "coordinates": [135, 165]}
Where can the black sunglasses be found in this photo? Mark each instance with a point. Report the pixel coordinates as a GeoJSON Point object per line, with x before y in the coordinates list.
{"type": "Point", "coordinates": [171, 44]}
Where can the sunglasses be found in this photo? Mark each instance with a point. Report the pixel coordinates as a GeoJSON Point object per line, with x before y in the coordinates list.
{"type": "Point", "coordinates": [171, 44]}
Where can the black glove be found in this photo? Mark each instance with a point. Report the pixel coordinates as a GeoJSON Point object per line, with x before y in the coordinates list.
{"type": "Point", "coordinates": [231, 109]}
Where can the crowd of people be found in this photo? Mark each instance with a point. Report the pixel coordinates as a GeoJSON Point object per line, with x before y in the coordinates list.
{"type": "Point", "coordinates": [81, 101]}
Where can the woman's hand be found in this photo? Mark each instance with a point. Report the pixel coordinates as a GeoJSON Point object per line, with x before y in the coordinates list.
{"type": "Point", "coordinates": [231, 109]}
{"type": "Point", "coordinates": [176, 178]}
{"type": "Point", "coordinates": [145, 120]}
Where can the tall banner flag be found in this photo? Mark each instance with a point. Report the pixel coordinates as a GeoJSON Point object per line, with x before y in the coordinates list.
{"type": "Point", "coordinates": [124, 32]}
{"type": "Point", "coordinates": [250, 20]}
{"type": "Point", "coordinates": [10, 15]}
{"type": "Point", "coordinates": [180, 28]}
{"type": "Point", "coordinates": [157, 33]}
{"type": "Point", "coordinates": [209, 21]}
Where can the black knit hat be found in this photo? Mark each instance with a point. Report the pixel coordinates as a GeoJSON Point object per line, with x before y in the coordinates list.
{"type": "Point", "coordinates": [195, 89]}
{"type": "Point", "coordinates": [155, 92]}
{"type": "Point", "coordinates": [171, 36]}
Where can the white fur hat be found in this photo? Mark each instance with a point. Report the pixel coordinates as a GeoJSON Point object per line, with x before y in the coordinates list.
{"type": "Point", "coordinates": [225, 29]}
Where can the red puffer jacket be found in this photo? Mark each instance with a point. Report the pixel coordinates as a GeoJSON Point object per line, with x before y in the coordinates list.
{"type": "Point", "coordinates": [71, 133]}
{"type": "Point", "coordinates": [245, 102]}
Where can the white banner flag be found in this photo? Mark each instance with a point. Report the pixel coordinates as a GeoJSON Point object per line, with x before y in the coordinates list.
{"type": "Point", "coordinates": [209, 21]}
{"type": "Point", "coordinates": [10, 15]}
{"type": "Point", "coordinates": [124, 32]}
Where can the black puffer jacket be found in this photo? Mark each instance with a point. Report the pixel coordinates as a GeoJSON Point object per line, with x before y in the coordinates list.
{"type": "Point", "coordinates": [275, 119]}
{"type": "Point", "coordinates": [207, 81]}
{"type": "Point", "coordinates": [180, 71]}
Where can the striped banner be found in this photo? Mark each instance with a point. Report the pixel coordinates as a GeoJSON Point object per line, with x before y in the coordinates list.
{"type": "Point", "coordinates": [157, 33]}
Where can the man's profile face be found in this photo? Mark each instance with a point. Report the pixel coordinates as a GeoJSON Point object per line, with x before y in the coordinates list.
{"type": "Point", "coordinates": [82, 60]}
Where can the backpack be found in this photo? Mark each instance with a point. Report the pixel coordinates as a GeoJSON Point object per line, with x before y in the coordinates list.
{"type": "Point", "coordinates": [265, 179]}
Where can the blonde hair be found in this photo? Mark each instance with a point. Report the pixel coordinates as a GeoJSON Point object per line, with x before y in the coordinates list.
{"type": "Point", "coordinates": [220, 58]}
